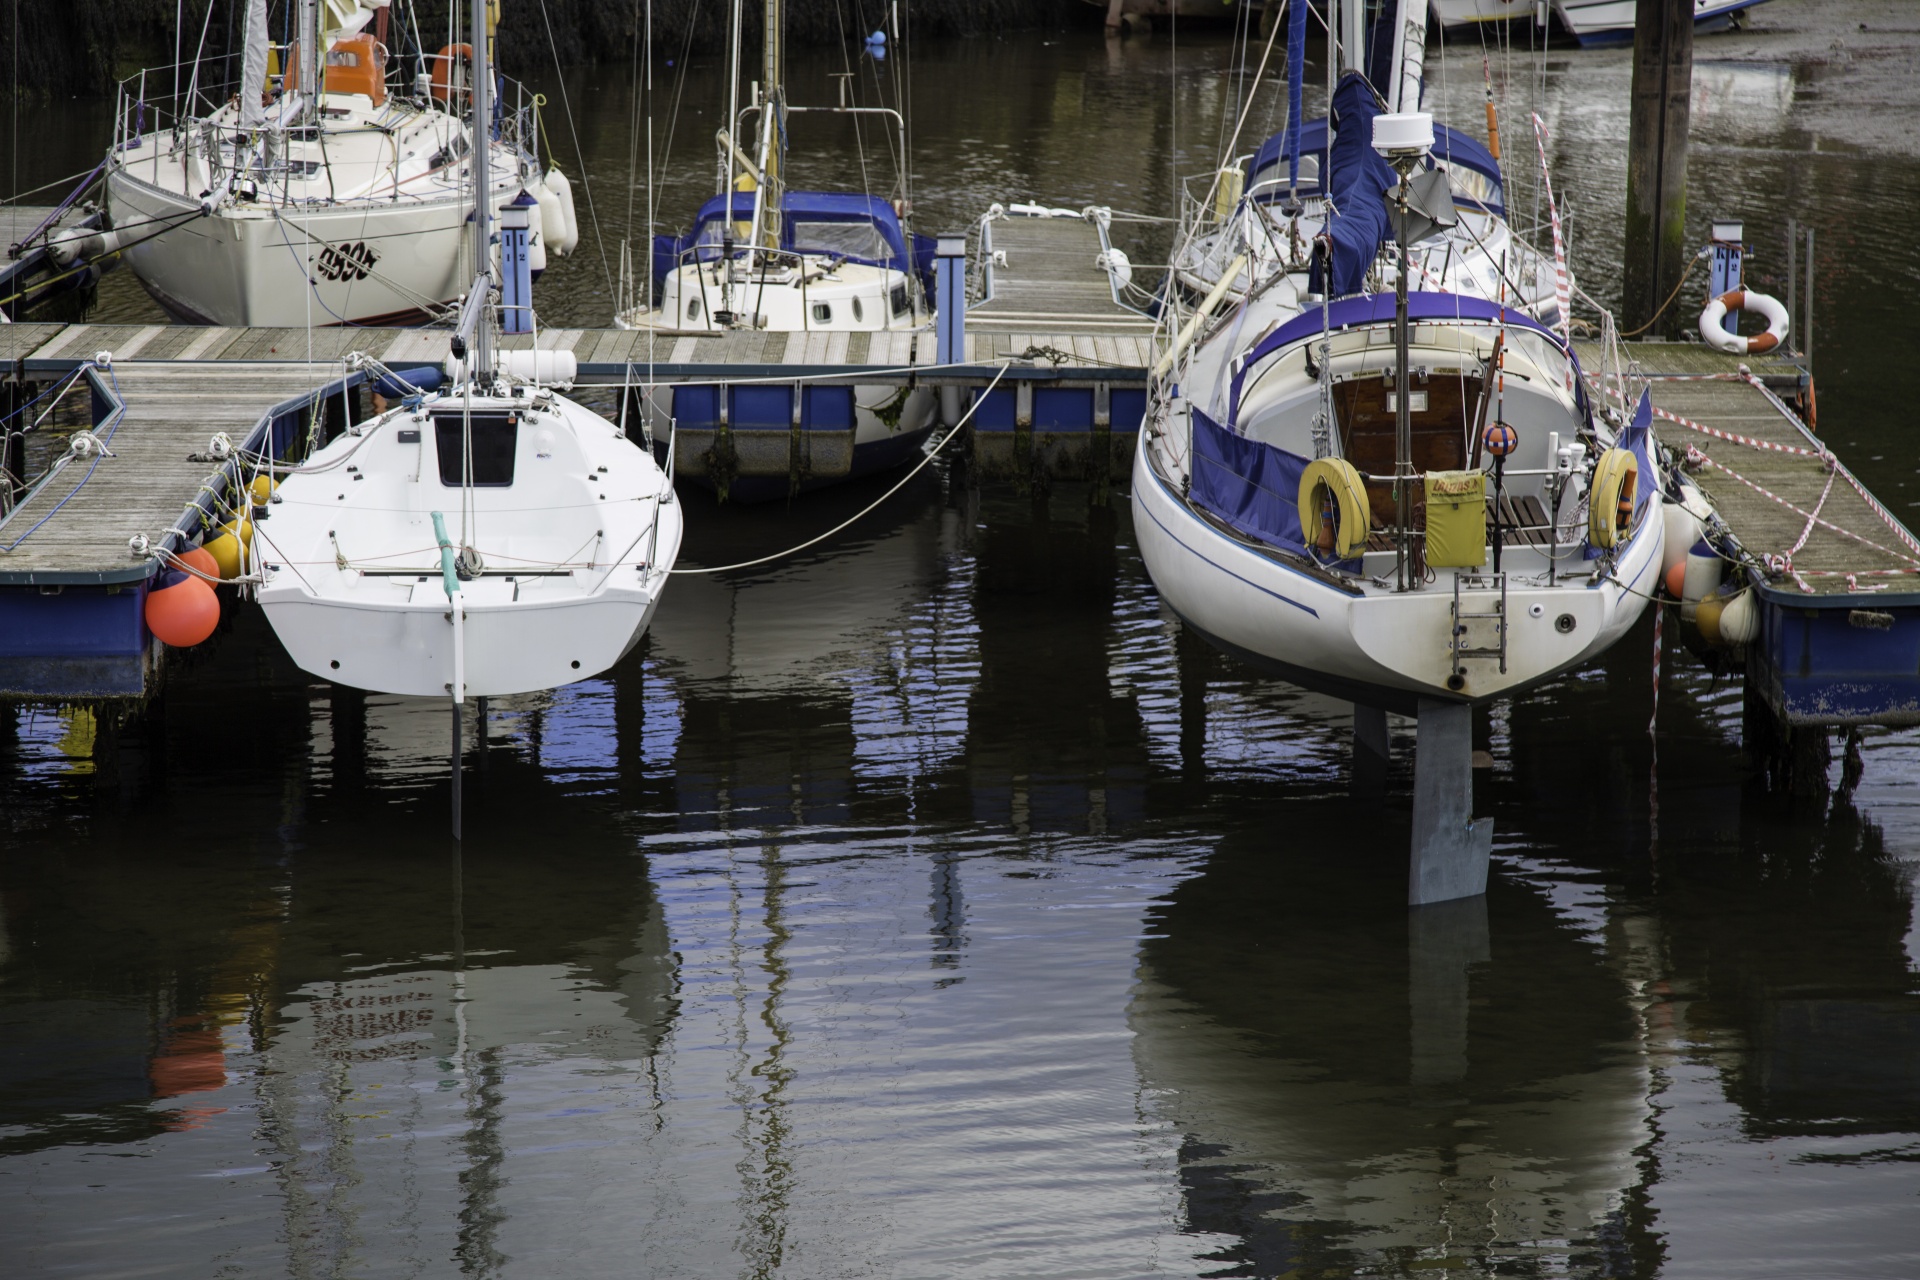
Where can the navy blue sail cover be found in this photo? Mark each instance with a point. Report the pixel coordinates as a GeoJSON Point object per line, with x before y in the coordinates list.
{"type": "Point", "coordinates": [1360, 182]}
{"type": "Point", "coordinates": [851, 227]}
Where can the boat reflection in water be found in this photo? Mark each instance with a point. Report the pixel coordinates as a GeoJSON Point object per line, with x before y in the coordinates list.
{"type": "Point", "coordinates": [345, 1009]}
{"type": "Point", "coordinates": [1365, 1088]}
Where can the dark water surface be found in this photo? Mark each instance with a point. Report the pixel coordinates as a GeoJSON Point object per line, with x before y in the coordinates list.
{"type": "Point", "coordinates": [928, 905]}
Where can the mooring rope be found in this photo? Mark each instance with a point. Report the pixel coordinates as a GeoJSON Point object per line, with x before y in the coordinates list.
{"type": "Point", "coordinates": [870, 507]}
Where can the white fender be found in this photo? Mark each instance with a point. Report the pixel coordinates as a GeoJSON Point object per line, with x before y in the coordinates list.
{"type": "Point", "coordinates": [552, 220]}
{"type": "Point", "coordinates": [1703, 579]}
{"type": "Point", "coordinates": [565, 234]}
{"type": "Point", "coordinates": [545, 368]}
{"type": "Point", "coordinates": [1768, 307]}
{"type": "Point", "coordinates": [1740, 620]}
{"type": "Point", "coordinates": [1683, 530]}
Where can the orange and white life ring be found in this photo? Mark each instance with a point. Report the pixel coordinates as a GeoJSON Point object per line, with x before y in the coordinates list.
{"type": "Point", "coordinates": [443, 69]}
{"type": "Point", "coordinates": [1717, 337]}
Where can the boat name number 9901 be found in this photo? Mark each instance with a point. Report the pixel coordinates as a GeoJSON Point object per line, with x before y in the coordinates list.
{"type": "Point", "coordinates": [347, 261]}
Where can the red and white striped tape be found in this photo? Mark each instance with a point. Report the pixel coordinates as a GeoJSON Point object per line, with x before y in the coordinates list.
{"type": "Point", "coordinates": [1562, 288]}
{"type": "Point", "coordinates": [1784, 563]}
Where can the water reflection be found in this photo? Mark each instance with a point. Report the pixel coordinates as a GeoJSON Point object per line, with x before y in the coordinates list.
{"type": "Point", "coordinates": [1363, 1088]}
{"type": "Point", "coordinates": [272, 987]}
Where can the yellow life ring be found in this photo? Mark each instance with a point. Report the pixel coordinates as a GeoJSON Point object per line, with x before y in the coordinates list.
{"type": "Point", "coordinates": [1610, 500]}
{"type": "Point", "coordinates": [1334, 513]}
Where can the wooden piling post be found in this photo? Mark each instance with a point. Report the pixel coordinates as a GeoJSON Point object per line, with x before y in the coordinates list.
{"type": "Point", "coordinates": [1657, 160]}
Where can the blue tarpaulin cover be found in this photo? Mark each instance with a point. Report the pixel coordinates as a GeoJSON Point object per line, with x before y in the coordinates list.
{"type": "Point", "coordinates": [1252, 486]}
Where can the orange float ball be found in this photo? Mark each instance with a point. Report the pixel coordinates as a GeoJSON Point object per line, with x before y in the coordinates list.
{"type": "Point", "coordinates": [200, 560]}
{"type": "Point", "coordinates": [183, 610]}
{"type": "Point", "coordinates": [1677, 580]}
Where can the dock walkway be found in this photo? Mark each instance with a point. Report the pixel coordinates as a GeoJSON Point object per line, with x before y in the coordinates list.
{"type": "Point", "coordinates": [73, 581]}
{"type": "Point", "coordinates": [1836, 573]}
{"type": "Point", "coordinates": [1042, 274]}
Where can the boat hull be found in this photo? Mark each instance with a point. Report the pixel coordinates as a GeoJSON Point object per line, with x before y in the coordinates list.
{"type": "Point", "coordinates": [1384, 650]}
{"type": "Point", "coordinates": [1605, 22]}
{"type": "Point", "coordinates": [509, 648]}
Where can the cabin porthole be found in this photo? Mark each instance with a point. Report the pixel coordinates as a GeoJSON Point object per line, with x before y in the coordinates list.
{"type": "Point", "coordinates": [858, 314]}
{"type": "Point", "coordinates": [1565, 624]}
{"type": "Point", "coordinates": [693, 309]}
{"type": "Point", "coordinates": [335, 664]}
{"type": "Point", "coordinates": [823, 312]}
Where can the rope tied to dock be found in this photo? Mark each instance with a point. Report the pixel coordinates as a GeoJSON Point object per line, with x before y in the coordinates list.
{"type": "Point", "coordinates": [931, 454]}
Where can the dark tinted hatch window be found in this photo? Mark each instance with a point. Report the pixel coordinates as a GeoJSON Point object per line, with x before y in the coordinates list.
{"type": "Point", "coordinates": [494, 437]}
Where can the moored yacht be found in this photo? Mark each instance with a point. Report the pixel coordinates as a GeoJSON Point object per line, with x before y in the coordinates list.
{"type": "Point", "coordinates": [325, 195]}
{"type": "Point", "coordinates": [841, 269]}
{"type": "Point", "coordinates": [1405, 498]}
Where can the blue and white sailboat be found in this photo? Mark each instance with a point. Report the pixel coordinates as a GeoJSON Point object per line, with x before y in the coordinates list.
{"type": "Point", "coordinates": [1399, 496]}
{"type": "Point", "coordinates": [843, 271]}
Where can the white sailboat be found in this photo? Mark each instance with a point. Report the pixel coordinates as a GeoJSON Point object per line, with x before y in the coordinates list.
{"type": "Point", "coordinates": [763, 256]}
{"type": "Point", "coordinates": [493, 537]}
{"type": "Point", "coordinates": [322, 196]}
{"type": "Point", "coordinates": [1403, 499]}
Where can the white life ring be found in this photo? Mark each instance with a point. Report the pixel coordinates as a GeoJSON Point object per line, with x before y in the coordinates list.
{"type": "Point", "coordinates": [1719, 339]}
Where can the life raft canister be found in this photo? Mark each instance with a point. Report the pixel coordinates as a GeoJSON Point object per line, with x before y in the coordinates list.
{"type": "Point", "coordinates": [1610, 501]}
{"type": "Point", "coordinates": [1717, 337]}
{"type": "Point", "coordinates": [1334, 513]}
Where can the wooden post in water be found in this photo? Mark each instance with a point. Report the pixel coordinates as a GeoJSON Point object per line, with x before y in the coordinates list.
{"type": "Point", "coordinates": [1657, 160]}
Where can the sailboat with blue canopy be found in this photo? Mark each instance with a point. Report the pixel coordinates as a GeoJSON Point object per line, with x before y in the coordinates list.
{"type": "Point", "coordinates": [764, 256]}
{"type": "Point", "coordinates": [1385, 481]}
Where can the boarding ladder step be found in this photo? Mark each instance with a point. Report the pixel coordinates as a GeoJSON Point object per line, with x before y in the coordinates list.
{"type": "Point", "coordinates": [1457, 631]}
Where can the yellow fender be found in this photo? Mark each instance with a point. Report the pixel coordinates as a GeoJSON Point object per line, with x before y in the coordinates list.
{"type": "Point", "coordinates": [1334, 513]}
{"type": "Point", "coordinates": [1610, 500]}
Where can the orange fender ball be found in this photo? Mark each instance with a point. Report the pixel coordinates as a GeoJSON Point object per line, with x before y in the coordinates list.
{"type": "Point", "coordinates": [1677, 580]}
{"type": "Point", "coordinates": [201, 560]}
{"type": "Point", "coordinates": [183, 611]}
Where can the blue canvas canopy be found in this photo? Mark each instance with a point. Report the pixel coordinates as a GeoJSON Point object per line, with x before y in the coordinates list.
{"type": "Point", "coordinates": [1476, 173]}
{"type": "Point", "coordinates": [850, 227]}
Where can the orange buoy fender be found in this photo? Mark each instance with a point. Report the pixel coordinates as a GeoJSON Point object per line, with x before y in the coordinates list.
{"type": "Point", "coordinates": [199, 560]}
{"type": "Point", "coordinates": [443, 69]}
{"type": "Point", "coordinates": [182, 611]}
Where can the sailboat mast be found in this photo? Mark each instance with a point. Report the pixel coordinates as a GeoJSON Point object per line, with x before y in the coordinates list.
{"type": "Point", "coordinates": [773, 99]}
{"type": "Point", "coordinates": [309, 68]}
{"type": "Point", "coordinates": [482, 95]}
